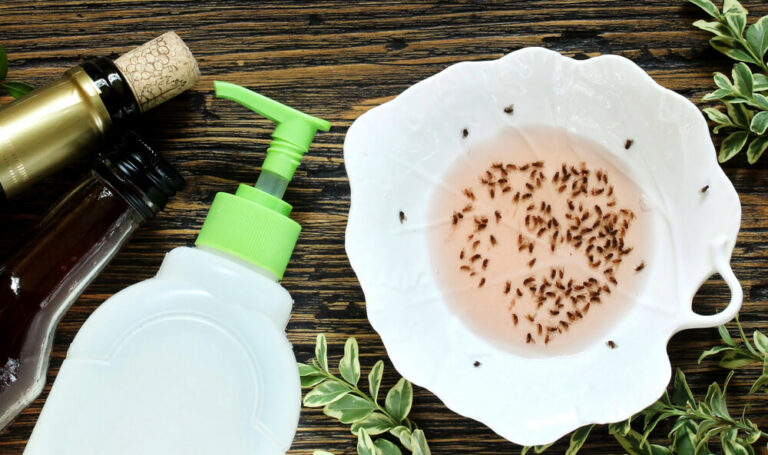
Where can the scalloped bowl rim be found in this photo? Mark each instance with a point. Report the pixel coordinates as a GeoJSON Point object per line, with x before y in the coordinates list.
{"type": "Point", "coordinates": [387, 131]}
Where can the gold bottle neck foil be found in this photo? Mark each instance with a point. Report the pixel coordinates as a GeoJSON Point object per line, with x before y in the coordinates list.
{"type": "Point", "coordinates": [49, 128]}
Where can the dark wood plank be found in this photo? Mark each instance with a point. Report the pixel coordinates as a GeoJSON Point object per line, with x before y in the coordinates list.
{"type": "Point", "coordinates": [338, 59]}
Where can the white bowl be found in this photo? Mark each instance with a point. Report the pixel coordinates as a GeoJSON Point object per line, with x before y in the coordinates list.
{"type": "Point", "coordinates": [395, 155]}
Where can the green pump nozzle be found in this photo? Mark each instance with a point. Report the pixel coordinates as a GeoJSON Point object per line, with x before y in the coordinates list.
{"type": "Point", "coordinates": [291, 139]}
{"type": "Point", "coordinates": [253, 223]}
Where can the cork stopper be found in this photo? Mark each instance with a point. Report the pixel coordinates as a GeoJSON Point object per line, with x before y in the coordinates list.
{"type": "Point", "coordinates": [159, 70]}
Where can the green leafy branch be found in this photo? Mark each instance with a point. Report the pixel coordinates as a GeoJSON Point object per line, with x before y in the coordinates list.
{"type": "Point", "coordinates": [342, 399]}
{"type": "Point", "coordinates": [695, 423]}
{"type": "Point", "coordinates": [744, 94]}
{"type": "Point", "coordinates": [738, 354]}
{"type": "Point", "coordinates": [15, 89]}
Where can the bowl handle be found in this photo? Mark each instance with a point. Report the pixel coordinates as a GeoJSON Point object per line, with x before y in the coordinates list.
{"type": "Point", "coordinates": [721, 252]}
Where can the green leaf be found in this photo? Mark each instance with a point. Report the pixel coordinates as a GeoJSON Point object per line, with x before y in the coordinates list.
{"type": "Point", "coordinates": [729, 434]}
{"type": "Point", "coordinates": [733, 6]}
{"type": "Point", "coordinates": [756, 149]}
{"type": "Point", "coordinates": [742, 79]}
{"type": "Point", "coordinates": [733, 448]}
{"type": "Point", "coordinates": [310, 375]}
{"type": "Point", "coordinates": [403, 434]}
{"type": "Point", "coordinates": [761, 82]}
{"type": "Point", "coordinates": [726, 335]}
{"type": "Point", "coordinates": [649, 427]}
{"type": "Point", "coordinates": [385, 447]}
{"type": "Point", "coordinates": [731, 48]}
{"type": "Point", "coordinates": [757, 36]}
{"type": "Point", "coordinates": [762, 381]}
{"type": "Point", "coordinates": [623, 428]}
{"type": "Point", "coordinates": [714, 351]}
{"type": "Point", "coordinates": [739, 114]}
{"type": "Point", "coordinates": [17, 89]}
{"type": "Point", "coordinates": [307, 370]}
{"type": "Point", "coordinates": [759, 123]}
{"type": "Point", "coordinates": [715, 27]}
{"type": "Point", "coordinates": [321, 351]}
{"type": "Point", "coordinates": [681, 393]}
{"type": "Point", "coordinates": [681, 423]}
{"type": "Point", "coordinates": [349, 367]}
{"type": "Point", "coordinates": [376, 423]}
{"type": "Point", "coordinates": [760, 340]}
{"type": "Point", "coordinates": [683, 440]}
{"type": "Point", "coordinates": [707, 6]}
{"type": "Point", "coordinates": [349, 409]}
{"type": "Point", "coordinates": [717, 116]}
{"type": "Point", "coordinates": [419, 444]}
{"type": "Point", "coordinates": [374, 379]}
{"type": "Point", "coordinates": [577, 439]}
{"type": "Point", "coordinates": [716, 401]}
{"type": "Point", "coordinates": [752, 436]}
{"type": "Point", "coordinates": [542, 448]}
{"type": "Point", "coordinates": [745, 340]}
{"type": "Point", "coordinates": [3, 64]}
{"type": "Point", "coordinates": [327, 392]}
{"type": "Point", "coordinates": [365, 444]}
{"type": "Point", "coordinates": [732, 145]}
{"type": "Point", "coordinates": [654, 410]}
{"type": "Point", "coordinates": [659, 450]}
{"type": "Point", "coordinates": [312, 380]}
{"type": "Point", "coordinates": [717, 129]}
{"type": "Point", "coordinates": [631, 441]}
{"type": "Point", "coordinates": [722, 81]}
{"type": "Point", "coordinates": [761, 101]}
{"type": "Point", "coordinates": [737, 21]}
{"type": "Point", "coordinates": [399, 400]}
{"type": "Point", "coordinates": [702, 442]}
{"type": "Point", "coordinates": [719, 94]}
{"type": "Point", "coordinates": [736, 359]}
{"type": "Point", "coordinates": [525, 450]}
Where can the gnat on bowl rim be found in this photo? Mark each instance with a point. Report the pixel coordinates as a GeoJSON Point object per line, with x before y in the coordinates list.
{"type": "Point", "coordinates": [395, 155]}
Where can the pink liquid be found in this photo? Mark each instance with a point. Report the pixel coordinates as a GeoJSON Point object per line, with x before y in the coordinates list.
{"type": "Point", "coordinates": [538, 259]}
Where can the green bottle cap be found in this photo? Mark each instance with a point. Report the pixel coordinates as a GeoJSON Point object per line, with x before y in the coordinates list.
{"type": "Point", "coordinates": [253, 223]}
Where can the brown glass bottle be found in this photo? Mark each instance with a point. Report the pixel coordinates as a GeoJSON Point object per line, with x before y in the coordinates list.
{"type": "Point", "coordinates": [74, 241]}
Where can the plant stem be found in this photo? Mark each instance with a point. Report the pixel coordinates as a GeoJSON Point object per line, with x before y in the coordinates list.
{"type": "Point", "coordinates": [406, 422]}
{"type": "Point", "coordinates": [758, 59]}
{"type": "Point", "coordinates": [746, 342]}
{"type": "Point", "coordinates": [751, 101]}
{"type": "Point", "coordinates": [722, 422]}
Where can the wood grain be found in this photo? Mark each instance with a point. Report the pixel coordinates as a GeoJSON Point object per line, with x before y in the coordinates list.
{"type": "Point", "coordinates": [337, 59]}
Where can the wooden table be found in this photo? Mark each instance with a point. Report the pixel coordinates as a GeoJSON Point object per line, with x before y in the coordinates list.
{"type": "Point", "coordinates": [337, 59]}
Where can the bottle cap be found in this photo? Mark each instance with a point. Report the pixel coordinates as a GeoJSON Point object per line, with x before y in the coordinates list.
{"type": "Point", "coordinates": [159, 70]}
{"type": "Point", "coordinates": [253, 223]}
{"type": "Point", "coordinates": [139, 173]}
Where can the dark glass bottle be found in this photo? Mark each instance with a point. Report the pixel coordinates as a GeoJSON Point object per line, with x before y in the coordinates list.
{"type": "Point", "coordinates": [82, 107]}
{"type": "Point", "coordinates": [62, 254]}
{"type": "Point", "coordinates": [76, 114]}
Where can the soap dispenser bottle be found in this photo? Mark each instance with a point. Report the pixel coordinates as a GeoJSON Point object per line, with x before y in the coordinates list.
{"type": "Point", "coordinates": [196, 360]}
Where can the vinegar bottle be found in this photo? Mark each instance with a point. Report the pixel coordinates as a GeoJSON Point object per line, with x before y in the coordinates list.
{"type": "Point", "coordinates": [196, 360]}
{"type": "Point", "coordinates": [61, 255]}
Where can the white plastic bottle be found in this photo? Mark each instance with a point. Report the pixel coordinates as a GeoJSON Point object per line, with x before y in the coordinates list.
{"type": "Point", "coordinates": [195, 360]}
